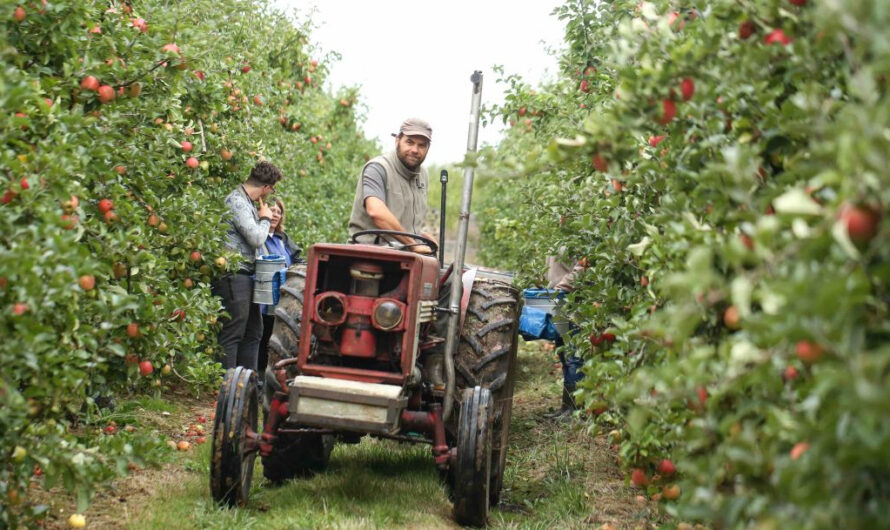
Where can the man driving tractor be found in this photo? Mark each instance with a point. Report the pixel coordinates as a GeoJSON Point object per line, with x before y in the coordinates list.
{"type": "Point", "coordinates": [391, 192]}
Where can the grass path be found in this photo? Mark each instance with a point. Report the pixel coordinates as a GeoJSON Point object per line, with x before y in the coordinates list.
{"type": "Point", "coordinates": [557, 476]}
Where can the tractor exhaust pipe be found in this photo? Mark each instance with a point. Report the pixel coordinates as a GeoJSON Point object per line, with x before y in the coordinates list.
{"type": "Point", "coordinates": [461, 250]}
{"type": "Point", "coordinates": [443, 178]}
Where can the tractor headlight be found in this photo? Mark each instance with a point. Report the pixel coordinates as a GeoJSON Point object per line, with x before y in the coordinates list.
{"type": "Point", "coordinates": [331, 309]}
{"type": "Point", "coordinates": [387, 315]}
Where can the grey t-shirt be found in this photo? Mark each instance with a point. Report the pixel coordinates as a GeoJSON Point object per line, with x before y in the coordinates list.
{"type": "Point", "coordinates": [374, 182]}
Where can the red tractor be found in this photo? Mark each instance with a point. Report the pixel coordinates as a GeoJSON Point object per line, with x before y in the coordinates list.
{"type": "Point", "coordinates": [380, 341]}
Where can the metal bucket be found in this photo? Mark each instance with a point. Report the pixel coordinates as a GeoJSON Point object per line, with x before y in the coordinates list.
{"type": "Point", "coordinates": [264, 279]}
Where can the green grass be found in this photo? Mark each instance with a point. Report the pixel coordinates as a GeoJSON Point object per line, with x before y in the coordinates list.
{"type": "Point", "coordinates": [377, 483]}
{"type": "Point", "coordinates": [557, 476]}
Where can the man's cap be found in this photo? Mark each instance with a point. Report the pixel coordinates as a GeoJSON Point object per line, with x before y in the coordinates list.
{"type": "Point", "coordinates": [416, 127]}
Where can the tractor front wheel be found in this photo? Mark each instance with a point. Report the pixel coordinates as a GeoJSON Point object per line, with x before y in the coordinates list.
{"type": "Point", "coordinates": [472, 472]}
{"type": "Point", "coordinates": [234, 433]}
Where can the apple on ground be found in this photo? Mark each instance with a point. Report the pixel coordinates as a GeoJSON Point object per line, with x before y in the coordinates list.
{"type": "Point", "coordinates": [671, 492]}
{"type": "Point", "coordinates": [638, 478]}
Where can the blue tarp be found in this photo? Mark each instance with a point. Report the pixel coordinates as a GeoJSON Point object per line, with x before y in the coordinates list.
{"type": "Point", "coordinates": [536, 320]}
{"type": "Point", "coordinates": [536, 324]}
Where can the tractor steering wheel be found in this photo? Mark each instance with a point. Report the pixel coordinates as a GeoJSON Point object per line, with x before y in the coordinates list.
{"type": "Point", "coordinates": [434, 248]}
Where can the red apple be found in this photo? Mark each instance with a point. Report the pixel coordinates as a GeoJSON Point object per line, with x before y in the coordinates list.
{"type": "Point", "coordinates": [89, 83]}
{"type": "Point", "coordinates": [245, 68]}
{"type": "Point", "coordinates": [638, 477]}
{"type": "Point", "coordinates": [584, 86]}
{"type": "Point", "coordinates": [668, 111]}
{"type": "Point", "coordinates": [670, 492]}
{"type": "Point", "coordinates": [861, 222]}
{"type": "Point", "coordinates": [798, 2]}
{"type": "Point", "coordinates": [105, 205]}
{"type": "Point", "coordinates": [145, 368]}
{"type": "Point", "coordinates": [87, 282]}
{"type": "Point", "coordinates": [655, 140]}
{"type": "Point", "coordinates": [106, 94]}
{"type": "Point", "coordinates": [68, 221]}
{"type": "Point", "coordinates": [133, 330]}
{"type": "Point", "coordinates": [171, 48]}
{"type": "Point", "coordinates": [600, 163]}
{"type": "Point", "coordinates": [746, 29]}
{"type": "Point", "coordinates": [140, 24]}
{"type": "Point", "coordinates": [790, 373]}
{"type": "Point", "coordinates": [110, 217]}
{"type": "Point", "coordinates": [702, 394]}
{"type": "Point", "coordinates": [225, 154]}
{"type": "Point", "coordinates": [19, 308]}
{"type": "Point", "coordinates": [799, 449]}
{"type": "Point", "coordinates": [195, 256]}
{"type": "Point", "coordinates": [777, 36]}
{"type": "Point", "coordinates": [731, 317]}
{"type": "Point", "coordinates": [199, 74]}
{"type": "Point", "coordinates": [19, 14]}
{"type": "Point", "coordinates": [687, 88]}
{"type": "Point", "coordinates": [186, 146]}
{"type": "Point", "coordinates": [110, 429]}
{"type": "Point", "coordinates": [257, 101]}
{"type": "Point", "coordinates": [666, 467]}
{"type": "Point", "coordinates": [807, 351]}
{"type": "Point", "coordinates": [191, 162]}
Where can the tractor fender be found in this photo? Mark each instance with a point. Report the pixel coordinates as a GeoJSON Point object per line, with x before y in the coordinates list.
{"type": "Point", "coordinates": [468, 277]}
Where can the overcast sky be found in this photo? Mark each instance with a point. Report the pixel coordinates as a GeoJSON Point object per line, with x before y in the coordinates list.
{"type": "Point", "coordinates": [415, 58]}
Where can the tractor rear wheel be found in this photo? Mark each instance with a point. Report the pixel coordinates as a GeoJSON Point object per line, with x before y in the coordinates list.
{"type": "Point", "coordinates": [294, 455]}
{"type": "Point", "coordinates": [235, 423]}
{"type": "Point", "coordinates": [297, 455]}
{"type": "Point", "coordinates": [471, 476]}
{"type": "Point", "coordinates": [285, 340]}
{"type": "Point", "coordinates": [486, 356]}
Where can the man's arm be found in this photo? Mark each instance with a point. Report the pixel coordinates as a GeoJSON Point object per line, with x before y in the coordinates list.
{"type": "Point", "coordinates": [253, 232]}
{"type": "Point", "coordinates": [383, 219]}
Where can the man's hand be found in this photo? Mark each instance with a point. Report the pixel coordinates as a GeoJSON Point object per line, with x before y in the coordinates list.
{"type": "Point", "coordinates": [422, 249]}
{"type": "Point", "coordinates": [264, 210]}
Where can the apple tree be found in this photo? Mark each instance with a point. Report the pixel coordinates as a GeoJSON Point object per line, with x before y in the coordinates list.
{"type": "Point", "coordinates": [125, 126]}
{"type": "Point", "coordinates": [721, 166]}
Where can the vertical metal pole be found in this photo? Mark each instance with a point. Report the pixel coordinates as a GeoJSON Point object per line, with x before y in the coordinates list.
{"type": "Point", "coordinates": [461, 250]}
{"type": "Point", "coordinates": [443, 178]}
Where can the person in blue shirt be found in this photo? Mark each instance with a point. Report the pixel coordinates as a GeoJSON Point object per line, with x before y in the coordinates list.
{"type": "Point", "coordinates": [278, 243]}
